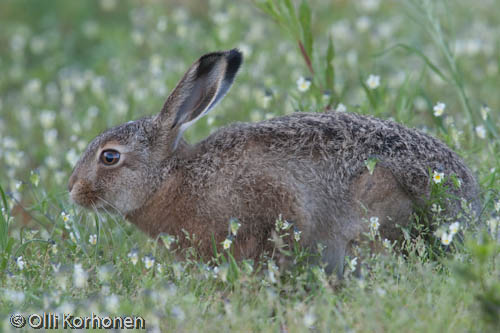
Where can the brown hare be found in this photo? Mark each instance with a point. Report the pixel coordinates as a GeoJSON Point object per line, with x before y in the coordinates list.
{"type": "Point", "coordinates": [308, 167]}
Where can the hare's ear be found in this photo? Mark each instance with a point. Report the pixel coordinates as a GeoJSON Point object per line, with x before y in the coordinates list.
{"type": "Point", "coordinates": [201, 88]}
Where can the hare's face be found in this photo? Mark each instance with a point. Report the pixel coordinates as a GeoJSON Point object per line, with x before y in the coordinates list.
{"type": "Point", "coordinates": [125, 165]}
{"type": "Point", "coordinates": [116, 172]}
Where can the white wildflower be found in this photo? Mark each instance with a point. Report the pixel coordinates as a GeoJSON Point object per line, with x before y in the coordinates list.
{"type": "Point", "coordinates": [437, 177]}
{"type": "Point", "coordinates": [134, 256]}
{"type": "Point", "coordinates": [20, 262]}
{"type": "Point", "coordinates": [353, 263]}
{"type": "Point", "coordinates": [104, 273]}
{"type": "Point", "coordinates": [309, 319]}
{"type": "Point", "coordinates": [286, 225]}
{"type": "Point", "coordinates": [235, 226]}
{"type": "Point", "coordinates": [93, 239]}
{"type": "Point", "coordinates": [481, 132]}
{"type": "Point", "coordinates": [303, 84]}
{"type": "Point", "coordinates": [439, 109]}
{"type": "Point", "coordinates": [108, 5]}
{"type": "Point", "coordinates": [296, 234]}
{"type": "Point", "coordinates": [79, 276]}
{"type": "Point", "coordinates": [492, 225]}
{"type": "Point", "coordinates": [226, 244]}
{"type": "Point", "coordinates": [373, 81]}
{"type": "Point", "coordinates": [74, 238]}
{"type": "Point", "coordinates": [386, 243]}
{"type": "Point", "coordinates": [47, 118]}
{"type": "Point", "coordinates": [148, 261]}
{"type": "Point", "coordinates": [454, 228]}
{"type": "Point", "coordinates": [485, 110]}
{"type": "Point", "coordinates": [446, 238]}
{"type": "Point", "coordinates": [168, 240]}
{"type": "Point", "coordinates": [374, 224]}
{"type": "Point", "coordinates": [341, 108]}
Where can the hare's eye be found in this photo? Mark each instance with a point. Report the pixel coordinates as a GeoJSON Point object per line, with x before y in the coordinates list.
{"type": "Point", "coordinates": [110, 157]}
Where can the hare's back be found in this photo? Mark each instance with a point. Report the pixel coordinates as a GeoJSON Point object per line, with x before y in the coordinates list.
{"type": "Point", "coordinates": [339, 143]}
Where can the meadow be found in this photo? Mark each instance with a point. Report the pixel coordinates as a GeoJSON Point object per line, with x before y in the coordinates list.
{"type": "Point", "coordinates": [71, 69]}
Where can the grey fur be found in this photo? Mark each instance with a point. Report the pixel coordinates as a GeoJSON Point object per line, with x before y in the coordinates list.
{"type": "Point", "coordinates": [309, 167]}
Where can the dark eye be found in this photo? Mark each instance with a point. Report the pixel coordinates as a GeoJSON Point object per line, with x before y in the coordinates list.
{"type": "Point", "coordinates": [110, 157]}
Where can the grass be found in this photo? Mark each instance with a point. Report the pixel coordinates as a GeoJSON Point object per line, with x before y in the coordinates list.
{"type": "Point", "coordinates": [71, 69]}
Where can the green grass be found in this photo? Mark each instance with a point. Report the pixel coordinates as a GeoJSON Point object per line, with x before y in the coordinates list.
{"type": "Point", "coordinates": [70, 69]}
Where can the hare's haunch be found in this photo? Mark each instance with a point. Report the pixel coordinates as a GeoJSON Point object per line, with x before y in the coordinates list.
{"type": "Point", "coordinates": [308, 167]}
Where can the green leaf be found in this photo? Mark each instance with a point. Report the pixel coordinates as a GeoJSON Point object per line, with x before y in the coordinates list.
{"type": "Point", "coordinates": [370, 164]}
{"type": "Point", "coordinates": [233, 267]}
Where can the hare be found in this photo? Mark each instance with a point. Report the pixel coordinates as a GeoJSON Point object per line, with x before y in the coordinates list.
{"type": "Point", "coordinates": [308, 167]}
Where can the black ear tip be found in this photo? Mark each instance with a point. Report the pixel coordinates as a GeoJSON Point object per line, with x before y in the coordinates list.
{"type": "Point", "coordinates": [234, 60]}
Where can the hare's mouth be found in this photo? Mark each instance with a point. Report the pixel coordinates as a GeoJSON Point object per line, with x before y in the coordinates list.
{"type": "Point", "coordinates": [82, 194]}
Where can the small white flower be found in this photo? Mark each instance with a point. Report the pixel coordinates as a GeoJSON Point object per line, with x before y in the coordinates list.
{"type": "Point", "coordinates": [454, 228]}
{"type": "Point", "coordinates": [93, 239]}
{"type": "Point", "coordinates": [303, 84]}
{"type": "Point", "coordinates": [56, 266]}
{"type": "Point", "coordinates": [168, 240]}
{"type": "Point", "coordinates": [497, 205]}
{"type": "Point", "coordinates": [159, 268]}
{"type": "Point", "coordinates": [374, 224]}
{"type": "Point", "coordinates": [104, 273]}
{"type": "Point", "coordinates": [436, 208]}
{"type": "Point", "coordinates": [439, 109]}
{"type": "Point", "coordinates": [481, 132]}
{"type": "Point", "coordinates": [66, 219]}
{"type": "Point", "coordinates": [437, 177]}
{"type": "Point", "coordinates": [286, 225]}
{"type": "Point", "coordinates": [386, 243]}
{"type": "Point", "coordinates": [108, 5]}
{"type": "Point", "coordinates": [134, 256]}
{"type": "Point", "coordinates": [373, 81]}
{"type": "Point", "coordinates": [446, 238]}
{"type": "Point", "coordinates": [353, 263]}
{"type": "Point", "coordinates": [20, 262]}
{"type": "Point", "coordinates": [47, 118]}
{"type": "Point", "coordinates": [79, 276]}
{"type": "Point", "coordinates": [296, 234]}
{"type": "Point", "coordinates": [54, 248]}
{"type": "Point", "coordinates": [50, 137]}
{"type": "Point", "coordinates": [73, 237]}
{"type": "Point", "coordinates": [380, 291]}
{"type": "Point", "coordinates": [148, 261]}
{"type": "Point", "coordinates": [235, 226]}
{"type": "Point", "coordinates": [309, 319]}
{"type": "Point", "coordinates": [19, 185]}
{"type": "Point", "coordinates": [226, 244]}
{"type": "Point", "coordinates": [492, 225]}
{"type": "Point", "coordinates": [341, 108]}
{"type": "Point", "coordinates": [485, 110]}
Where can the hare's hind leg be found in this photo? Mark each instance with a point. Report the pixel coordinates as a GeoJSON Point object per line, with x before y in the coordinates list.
{"type": "Point", "coordinates": [333, 256]}
{"type": "Point", "coordinates": [379, 195]}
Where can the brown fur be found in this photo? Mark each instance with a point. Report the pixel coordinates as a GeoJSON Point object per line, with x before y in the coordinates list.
{"type": "Point", "coordinates": [309, 167]}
